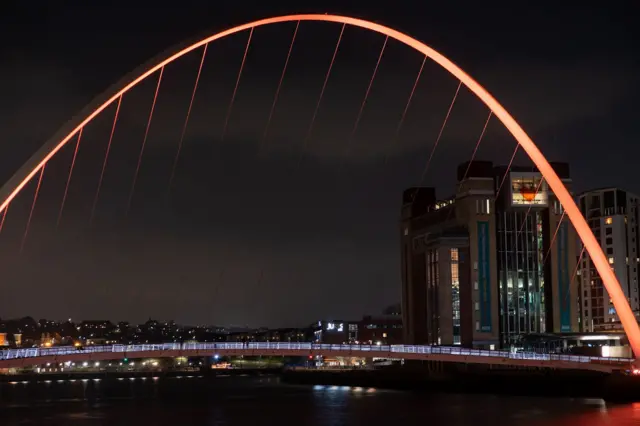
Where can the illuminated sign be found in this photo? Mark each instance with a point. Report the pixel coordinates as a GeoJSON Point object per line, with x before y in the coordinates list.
{"type": "Point", "coordinates": [331, 326]}
{"type": "Point", "coordinates": [529, 190]}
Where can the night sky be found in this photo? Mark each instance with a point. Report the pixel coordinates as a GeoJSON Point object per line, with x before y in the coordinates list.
{"type": "Point", "coordinates": [263, 232]}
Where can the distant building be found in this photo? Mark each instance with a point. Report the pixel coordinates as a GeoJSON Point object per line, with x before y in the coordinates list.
{"type": "Point", "coordinates": [477, 269]}
{"type": "Point", "coordinates": [370, 330]}
{"type": "Point", "coordinates": [272, 335]}
{"type": "Point", "coordinates": [613, 216]}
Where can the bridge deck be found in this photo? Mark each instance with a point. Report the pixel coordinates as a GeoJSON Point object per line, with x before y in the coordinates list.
{"type": "Point", "coordinates": [26, 357]}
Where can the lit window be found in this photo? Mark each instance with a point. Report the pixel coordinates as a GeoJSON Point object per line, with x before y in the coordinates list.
{"type": "Point", "coordinates": [454, 254]}
{"type": "Point", "coordinates": [477, 325]}
{"type": "Point", "coordinates": [488, 206]}
{"type": "Point", "coordinates": [608, 221]}
{"type": "Point", "coordinates": [384, 335]}
{"type": "Point", "coordinates": [611, 260]}
{"type": "Point", "coordinates": [477, 306]}
{"type": "Point", "coordinates": [406, 231]}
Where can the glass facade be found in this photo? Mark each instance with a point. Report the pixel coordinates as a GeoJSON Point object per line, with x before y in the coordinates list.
{"type": "Point", "coordinates": [520, 274]}
{"type": "Point", "coordinates": [455, 294]}
{"type": "Point", "coordinates": [433, 282]}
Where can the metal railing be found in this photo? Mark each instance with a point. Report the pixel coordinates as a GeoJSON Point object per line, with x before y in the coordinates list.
{"type": "Point", "coordinates": [120, 350]}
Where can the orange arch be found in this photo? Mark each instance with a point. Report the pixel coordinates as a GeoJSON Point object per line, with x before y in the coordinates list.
{"type": "Point", "coordinates": [11, 189]}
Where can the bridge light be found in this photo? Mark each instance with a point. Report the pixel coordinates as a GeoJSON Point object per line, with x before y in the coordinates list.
{"type": "Point", "coordinates": [125, 360]}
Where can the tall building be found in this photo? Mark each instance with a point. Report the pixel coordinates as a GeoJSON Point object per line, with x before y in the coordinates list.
{"type": "Point", "coordinates": [612, 215]}
{"type": "Point", "coordinates": [479, 269]}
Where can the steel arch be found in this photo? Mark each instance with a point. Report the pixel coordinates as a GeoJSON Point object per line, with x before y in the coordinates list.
{"type": "Point", "coordinates": [17, 182]}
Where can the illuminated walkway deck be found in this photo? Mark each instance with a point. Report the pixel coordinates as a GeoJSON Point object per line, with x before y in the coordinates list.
{"type": "Point", "coordinates": [27, 357]}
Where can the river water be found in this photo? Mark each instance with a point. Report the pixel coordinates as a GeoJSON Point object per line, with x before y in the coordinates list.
{"type": "Point", "coordinates": [265, 401]}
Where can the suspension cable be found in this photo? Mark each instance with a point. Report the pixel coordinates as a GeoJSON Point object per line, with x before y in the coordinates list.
{"type": "Point", "coordinates": [475, 150]}
{"type": "Point", "coordinates": [33, 206]}
{"type": "Point", "coordinates": [366, 96]}
{"type": "Point", "coordinates": [553, 239]}
{"type": "Point", "coordinates": [435, 145]}
{"type": "Point", "coordinates": [324, 86]}
{"type": "Point", "coordinates": [144, 142]}
{"type": "Point", "coordinates": [473, 156]}
{"type": "Point", "coordinates": [106, 159]}
{"type": "Point", "coordinates": [4, 216]}
{"type": "Point", "coordinates": [186, 120]}
{"type": "Point", "coordinates": [406, 107]}
{"type": "Point", "coordinates": [66, 188]}
{"type": "Point", "coordinates": [275, 98]}
{"type": "Point", "coordinates": [235, 89]}
{"type": "Point", "coordinates": [524, 220]}
{"type": "Point", "coordinates": [506, 173]}
{"type": "Point", "coordinates": [575, 272]}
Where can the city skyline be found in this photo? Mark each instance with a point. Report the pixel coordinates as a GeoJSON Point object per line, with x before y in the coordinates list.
{"type": "Point", "coordinates": [351, 245]}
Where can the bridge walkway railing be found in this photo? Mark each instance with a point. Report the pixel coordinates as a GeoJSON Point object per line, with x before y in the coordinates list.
{"type": "Point", "coordinates": [120, 350]}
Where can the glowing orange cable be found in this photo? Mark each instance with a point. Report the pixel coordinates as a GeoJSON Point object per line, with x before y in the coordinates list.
{"type": "Point", "coordinates": [408, 104]}
{"type": "Point", "coordinates": [66, 188]}
{"type": "Point", "coordinates": [34, 165]}
{"type": "Point", "coordinates": [144, 142]}
{"type": "Point", "coordinates": [324, 86]}
{"type": "Point", "coordinates": [275, 98]}
{"type": "Point", "coordinates": [575, 273]}
{"type": "Point", "coordinates": [506, 173]}
{"type": "Point", "coordinates": [553, 239]}
{"type": "Point", "coordinates": [4, 216]}
{"type": "Point", "coordinates": [435, 145]}
{"type": "Point", "coordinates": [235, 89]}
{"type": "Point", "coordinates": [33, 206]}
{"type": "Point", "coordinates": [366, 96]}
{"type": "Point", "coordinates": [475, 150]}
{"type": "Point", "coordinates": [473, 156]}
{"type": "Point", "coordinates": [524, 221]}
{"type": "Point", "coordinates": [186, 120]}
{"type": "Point", "coordinates": [104, 163]}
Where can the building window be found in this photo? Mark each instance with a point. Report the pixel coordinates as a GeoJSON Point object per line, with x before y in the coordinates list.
{"type": "Point", "coordinates": [609, 240]}
{"type": "Point", "coordinates": [477, 325]}
{"type": "Point", "coordinates": [406, 231]}
{"type": "Point", "coordinates": [455, 293]}
{"type": "Point", "coordinates": [477, 306]}
{"type": "Point", "coordinates": [611, 260]}
{"type": "Point", "coordinates": [608, 221]}
{"type": "Point", "coordinates": [607, 231]}
{"type": "Point", "coordinates": [483, 206]}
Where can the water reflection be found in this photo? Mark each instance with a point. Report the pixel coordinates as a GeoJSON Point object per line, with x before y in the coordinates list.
{"type": "Point", "coordinates": [249, 401]}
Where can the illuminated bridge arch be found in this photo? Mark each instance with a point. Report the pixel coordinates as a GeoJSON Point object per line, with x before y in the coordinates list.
{"type": "Point", "coordinates": [11, 189]}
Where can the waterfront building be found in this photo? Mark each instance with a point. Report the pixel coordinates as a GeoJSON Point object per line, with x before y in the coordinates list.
{"type": "Point", "coordinates": [612, 214]}
{"type": "Point", "coordinates": [479, 269]}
